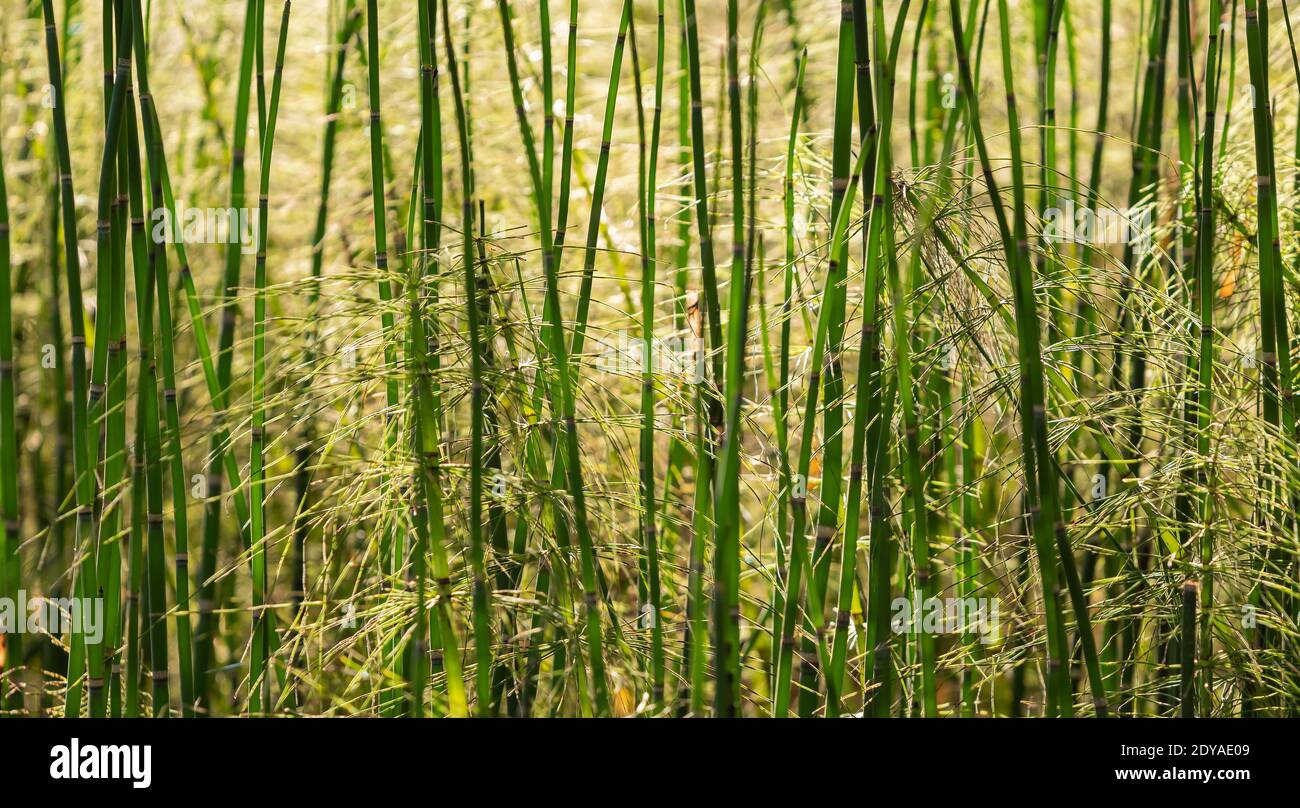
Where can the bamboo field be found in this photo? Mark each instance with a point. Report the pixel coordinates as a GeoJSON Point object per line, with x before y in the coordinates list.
{"type": "Point", "coordinates": [650, 358]}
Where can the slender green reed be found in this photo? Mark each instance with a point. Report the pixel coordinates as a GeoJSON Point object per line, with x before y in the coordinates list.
{"type": "Point", "coordinates": [259, 679]}
{"type": "Point", "coordinates": [218, 445]}
{"type": "Point", "coordinates": [649, 265]}
{"type": "Point", "coordinates": [1038, 467]}
{"type": "Point", "coordinates": [479, 582]}
{"type": "Point", "coordinates": [781, 401]}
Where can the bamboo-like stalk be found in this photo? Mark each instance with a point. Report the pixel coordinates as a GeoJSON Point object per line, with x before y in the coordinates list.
{"type": "Point", "coordinates": [1053, 16]}
{"type": "Point", "coordinates": [1148, 130]}
{"type": "Point", "coordinates": [485, 293]}
{"type": "Point", "coordinates": [832, 377]}
{"type": "Point", "coordinates": [1187, 644]}
{"type": "Point", "coordinates": [694, 654]}
{"type": "Point", "coordinates": [867, 426]}
{"type": "Point", "coordinates": [683, 324]}
{"type": "Point", "coordinates": [595, 227]}
{"type": "Point", "coordinates": [553, 585]}
{"type": "Point", "coordinates": [112, 418]}
{"type": "Point", "coordinates": [145, 265]}
{"type": "Point", "coordinates": [1086, 316]}
{"type": "Point", "coordinates": [756, 263]}
{"type": "Point", "coordinates": [968, 564]}
{"type": "Point", "coordinates": [1279, 403]}
{"type": "Point", "coordinates": [1040, 475]}
{"type": "Point", "coordinates": [221, 436]}
{"type": "Point", "coordinates": [914, 84]}
{"type": "Point", "coordinates": [844, 96]}
{"type": "Point", "coordinates": [781, 400]}
{"type": "Point", "coordinates": [218, 445]}
{"type": "Point", "coordinates": [79, 656]}
{"type": "Point", "coordinates": [708, 266]}
{"type": "Point", "coordinates": [108, 379]}
{"type": "Point", "coordinates": [1187, 101]}
{"type": "Point", "coordinates": [595, 220]}
{"type": "Point", "coordinates": [176, 464]}
{"type": "Point", "coordinates": [306, 451]}
{"type": "Point", "coordinates": [1205, 288]}
{"type": "Point", "coordinates": [1291, 600]}
{"type": "Point", "coordinates": [560, 353]}
{"type": "Point", "coordinates": [900, 292]}
{"type": "Point", "coordinates": [566, 147]}
{"type": "Point", "coordinates": [1050, 13]}
{"type": "Point", "coordinates": [878, 417]}
{"type": "Point", "coordinates": [136, 572]}
{"type": "Point", "coordinates": [79, 661]}
{"type": "Point", "coordinates": [726, 602]}
{"type": "Point", "coordinates": [553, 252]}
{"type": "Point", "coordinates": [380, 216]}
{"type": "Point", "coordinates": [1230, 52]}
{"type": "Point", "coordinates": [153, 270]}
{"type": "Point", "coordinates": [259, 680]}
{"type": "Point", "coordinates": [649, 265]}
{"type": "Point", "coordinates": [799, 553]}
{"type": "Point", "coordinates": [61, 491]}
{"type": "Point", "coordinates": [479, 582]}
{"type": "Point", "coordinates": [427, 511]}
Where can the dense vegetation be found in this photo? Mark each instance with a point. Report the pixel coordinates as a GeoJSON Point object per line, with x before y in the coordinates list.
{"type": "Point", "coordinates": [730, 357]}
